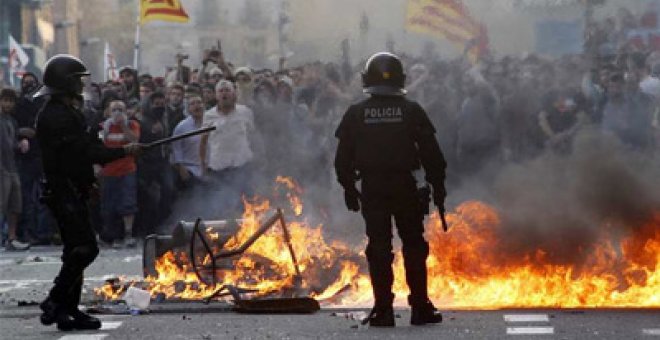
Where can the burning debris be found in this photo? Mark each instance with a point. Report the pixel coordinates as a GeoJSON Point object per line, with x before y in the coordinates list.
{"type": "Point", "coordinates": [466, 266]}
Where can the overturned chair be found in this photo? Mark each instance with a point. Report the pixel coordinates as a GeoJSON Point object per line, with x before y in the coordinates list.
{"type": "Point", "coordinates": [209, 256]}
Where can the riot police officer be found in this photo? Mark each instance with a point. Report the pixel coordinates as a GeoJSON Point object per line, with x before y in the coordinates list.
{"type": "Point", "coordinates": [69, 150]}
{"type": "Point", "coordinates": [382, 140]}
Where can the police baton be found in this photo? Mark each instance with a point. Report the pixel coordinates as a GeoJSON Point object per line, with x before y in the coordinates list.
{"type": "Point", "coordinates": [178, 137]}
{"type": "Point", "coordinates": [441, 211]}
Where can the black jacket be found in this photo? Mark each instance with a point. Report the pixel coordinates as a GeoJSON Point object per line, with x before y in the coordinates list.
{"type": "Point", "coordinates": [385, 135]}
{"type": "Point", "coordinates": [68, 148]}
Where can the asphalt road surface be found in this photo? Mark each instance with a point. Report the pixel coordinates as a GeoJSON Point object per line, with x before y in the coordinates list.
{"type": "Point", "coordinates": [25, 277]}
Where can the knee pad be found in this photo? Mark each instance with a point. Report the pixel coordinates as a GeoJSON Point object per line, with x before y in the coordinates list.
{"type": "Point", "coordinates": [84, 255]}
{"type": "Point", "coordinates": [379, 253]}
{"type": "Point", "coordinates": [416, 250]}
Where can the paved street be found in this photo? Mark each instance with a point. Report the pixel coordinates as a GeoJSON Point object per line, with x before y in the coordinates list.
{"type": "Point", "coordinates": [25, 277]}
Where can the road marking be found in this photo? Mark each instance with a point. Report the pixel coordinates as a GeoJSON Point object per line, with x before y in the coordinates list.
{"type": "Point", "coordinates": [84, 337]}
{"type": "Point", "coordinates": [651, 331]}
{"type": "Point", "coordinates": [109, 325]}
{"type": "Point", "coordinates": [526, 318]}
{"type": "Point", "coordinates": [529, 330]}
{"type": "Point", "coordinates": [40, 263]}
{"type": "Point", "coordinates": [87, 279]}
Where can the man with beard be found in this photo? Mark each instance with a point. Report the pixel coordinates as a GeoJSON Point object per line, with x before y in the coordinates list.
{"type": "Point", "coordinates": [227, 152]}
{"type": "Point", "coordinates": [382, 141]}
{"type": "Point", "coordinates": [69, 151]}
{"type": "Point", "coordinates": [128, 77]}
{"type": "Point", "coordinates": [174, 111]}
{"type": "Point", "coordinates": [34, 218]}
{"type": "Point", "coordinates": [208, 96]}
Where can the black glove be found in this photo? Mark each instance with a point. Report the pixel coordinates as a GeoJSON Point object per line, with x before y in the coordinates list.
{"type": "Point", "coordinates": [352, 199]}
{"type": "Point", "coordinates": [439, 194]}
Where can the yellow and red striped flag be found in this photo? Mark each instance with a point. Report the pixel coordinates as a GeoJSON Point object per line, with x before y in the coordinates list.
{"type": "Point", "coordinates": [451, 20]}
{"type": "Point", "coordinates": [163, 10]}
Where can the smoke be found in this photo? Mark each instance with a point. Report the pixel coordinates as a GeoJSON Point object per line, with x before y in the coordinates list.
{"type": "Point", "coordinates": [288, 141]}
{"type": "Point", "coordinates": [561, 204]}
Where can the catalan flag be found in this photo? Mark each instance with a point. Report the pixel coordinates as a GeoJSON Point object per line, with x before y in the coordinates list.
{"type": "Point", "coordinates": [163, 10]}
{"type": "Point", "coordinates": [451, 20]}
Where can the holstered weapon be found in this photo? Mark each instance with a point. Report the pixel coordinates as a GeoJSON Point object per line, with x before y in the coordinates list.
{"type": "Point", "coordinates": [424, 198]}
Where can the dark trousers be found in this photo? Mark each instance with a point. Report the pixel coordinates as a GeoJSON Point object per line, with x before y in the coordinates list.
{"type": "Point", "coordinates": [35, 223]}
{"type": "Point", "coordinates": [394, 196]}
{"type": "Point", "coordinates": [155, 196]}
{"type": "Point", "coordinates": [79, 241]}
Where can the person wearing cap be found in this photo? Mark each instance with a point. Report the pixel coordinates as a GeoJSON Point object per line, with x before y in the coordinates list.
{"type": "Point", "coordinates": [10, 185]}
{"type": "Point", "coordinates": [383, 141]}
{"type": "Point", "coordinates": [245, 86]}
{"type": "Point", "coordinates": [214, 76]}
{"type": "Point", "coordinates": [69, 153]}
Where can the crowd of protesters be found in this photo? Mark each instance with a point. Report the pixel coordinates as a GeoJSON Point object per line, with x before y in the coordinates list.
{"type": "Point", "coordinates": [282, 122]}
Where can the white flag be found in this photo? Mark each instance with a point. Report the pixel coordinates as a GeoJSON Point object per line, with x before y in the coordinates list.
{"type": "Point", "coordinates": [18, 59]}
{"type": "Point", "coordinates": [109, 64]}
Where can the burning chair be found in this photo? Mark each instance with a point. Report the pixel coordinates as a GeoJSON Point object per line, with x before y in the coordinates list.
{"type": "Point", "coordinates": [206, 244]}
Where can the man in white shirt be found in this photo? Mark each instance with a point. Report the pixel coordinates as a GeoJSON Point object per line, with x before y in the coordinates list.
{"type": "Point", "coordinates": [226, 152]}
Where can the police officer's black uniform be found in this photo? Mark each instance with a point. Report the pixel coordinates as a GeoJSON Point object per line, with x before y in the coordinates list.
{"type": "Point", "coordinates": [382, 140]}
{"type": "Point", "coordinates": [69, 151]}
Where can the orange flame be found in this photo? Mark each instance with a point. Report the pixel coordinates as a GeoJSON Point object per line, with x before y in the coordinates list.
{"type": "Point", "coordinates": [293, 194]}
{"type": "Point", "coordinates": [465, 267]}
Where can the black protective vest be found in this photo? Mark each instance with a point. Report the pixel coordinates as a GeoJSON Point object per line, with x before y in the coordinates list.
{"type": "Point", "coordinates": [383, 131]}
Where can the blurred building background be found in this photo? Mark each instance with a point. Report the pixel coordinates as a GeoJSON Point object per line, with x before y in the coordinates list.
{"type": "Point", "coordinates": [259, 32]}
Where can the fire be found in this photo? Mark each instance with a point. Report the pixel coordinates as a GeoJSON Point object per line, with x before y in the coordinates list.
{"type": "Point", "coordinates": [293, 194]}
{"type": "Point", "coordinates": [467, 268]}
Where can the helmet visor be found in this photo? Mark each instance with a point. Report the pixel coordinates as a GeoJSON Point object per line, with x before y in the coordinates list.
{"type": "Point", "coordinates": [384, 90]}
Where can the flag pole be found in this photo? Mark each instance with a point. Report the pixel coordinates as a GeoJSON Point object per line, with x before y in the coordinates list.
{"type": "Point", "coordinates": [136, 51]}
{"type": "Point", "coordinates": [106, 62]}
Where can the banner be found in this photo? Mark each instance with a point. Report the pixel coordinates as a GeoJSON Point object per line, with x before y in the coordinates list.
{"type": "Point", "coordinates": [448, 19]}
{"type": "Point", "coordinates": [109, 64]}
{"type": "Point", "coordinates": [163, 10]}
{"type": "Point", "coordinates": [17, 60]}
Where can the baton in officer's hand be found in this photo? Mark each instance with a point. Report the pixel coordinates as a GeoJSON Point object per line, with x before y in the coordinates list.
{"type": "Point", "coordinates": [178, 137]}
{"type": "Point", "coordinates": [441, 211]}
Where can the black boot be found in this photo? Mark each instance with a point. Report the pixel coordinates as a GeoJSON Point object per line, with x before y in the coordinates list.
{"type": "Point", "coordinates": [425, 313]}
{"type": "Point", "coordinates": [84, 321]}
{"type": "Point", "coordinates": [380, 317]}
{"type": "Point", "coordinates": [55, 313]}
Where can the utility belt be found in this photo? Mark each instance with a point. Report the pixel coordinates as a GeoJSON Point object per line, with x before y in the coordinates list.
{"type": "Point", "coordinates": [54, 191]}
{"type": "Point", "coordinates": [423, 190]}
{"type": "Point", "coordinates": [424, 197]}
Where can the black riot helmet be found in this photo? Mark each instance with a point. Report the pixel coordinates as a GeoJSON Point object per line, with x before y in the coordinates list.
{"type": "Point", "coordinates": [383, 75]}
{"type": "Point", "coordinates": [62, 76]}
